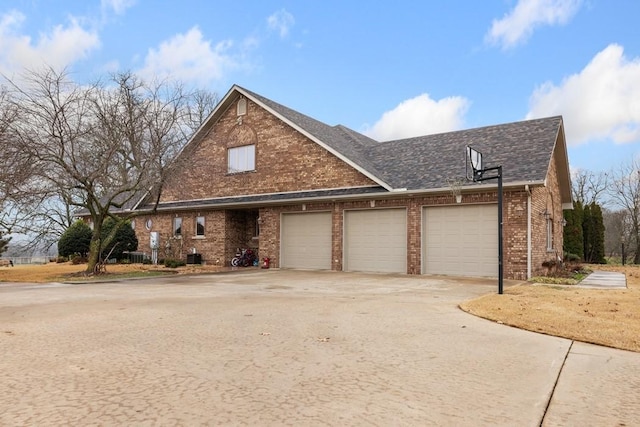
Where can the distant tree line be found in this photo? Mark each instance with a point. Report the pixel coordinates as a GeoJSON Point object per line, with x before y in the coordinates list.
{"type": "Point", "coordinates": [605, 221]}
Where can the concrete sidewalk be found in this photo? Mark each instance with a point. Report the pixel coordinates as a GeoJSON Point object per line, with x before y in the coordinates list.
{"type": "Point", "coordinates": [604, 280]}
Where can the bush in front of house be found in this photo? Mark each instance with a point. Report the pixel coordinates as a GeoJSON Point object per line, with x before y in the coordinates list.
{"type": "Point", "coordinates": [75, 240]}
{"type": "Point", "coordinates": [569, 257]}
{"type": "Point", "coordinates": [124, 241]}
{"type": "Point", "coordinates": [174, 263]}
{"type": "Point", "coordinates": [78, 259]}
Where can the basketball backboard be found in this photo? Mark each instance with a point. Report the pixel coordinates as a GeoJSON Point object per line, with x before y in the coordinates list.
{"type": "Point", "coordinates": [475, 160]}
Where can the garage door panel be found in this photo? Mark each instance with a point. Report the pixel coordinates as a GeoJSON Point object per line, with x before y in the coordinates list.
{"type": "Point", "coordinates": [306, 240]}
{"type": "Point", "coordinates": [376, 240]}
{"type": "Point", "coordinates": [460, 240]}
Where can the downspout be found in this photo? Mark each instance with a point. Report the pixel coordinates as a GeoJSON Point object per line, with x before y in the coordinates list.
{"type": "Point", "coordinates": [526, 188]}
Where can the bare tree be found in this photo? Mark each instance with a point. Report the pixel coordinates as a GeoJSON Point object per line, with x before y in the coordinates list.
{"type": "Point", "coordinates": [198, 110]}
{"type": "Point", "coordinates": [101, 147]}
{"type": "Point", "coordinates": [15, 167]}
{"type": "Point", "coordinates": [41, 221]}
{"type": "Point", "coordinates": [589, 187]}
{"type": "Point", "coordinates": [616, 230]}
{"type": "Point", "coordinates": [624, 192]}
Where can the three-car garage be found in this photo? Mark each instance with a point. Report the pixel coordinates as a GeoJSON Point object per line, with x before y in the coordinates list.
{"type": "Point", "coordinates": [455, 240]}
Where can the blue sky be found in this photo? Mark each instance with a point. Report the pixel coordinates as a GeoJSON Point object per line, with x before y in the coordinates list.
{"type": "Point", "coordinates": [390, 70]}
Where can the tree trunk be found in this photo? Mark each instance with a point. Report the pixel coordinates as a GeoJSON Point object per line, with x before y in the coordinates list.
{"type": "Point", "coordinates": [636, 238]}
{"type": "Point", "coordinates": [95, 247]}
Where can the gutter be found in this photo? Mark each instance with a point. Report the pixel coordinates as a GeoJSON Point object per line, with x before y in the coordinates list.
{"type": "Point", "coordinates": [528, 190]}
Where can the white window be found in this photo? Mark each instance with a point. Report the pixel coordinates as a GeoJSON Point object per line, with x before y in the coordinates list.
{"type": "Point", "coordinates": [200, 226]}
{"type": "Point", "coordinates": [241, 159]}
{"type": "Point", "coordinates": [148, 224]}
{"type": "Point", "coordinates": [177, 226]}
{"type": "Point", "coordinates": [549, 234]}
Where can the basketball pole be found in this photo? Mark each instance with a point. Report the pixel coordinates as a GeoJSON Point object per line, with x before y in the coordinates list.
{"type": "Point", "coordinates": [500, 248]}
{"type": "Point", "coordinates": [498, 176]}
{"type": "Point", "coordinates": [475, 157]}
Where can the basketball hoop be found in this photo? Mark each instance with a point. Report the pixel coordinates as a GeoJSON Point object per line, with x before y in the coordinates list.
{"type": "Point", "coordinates": [455, 186]}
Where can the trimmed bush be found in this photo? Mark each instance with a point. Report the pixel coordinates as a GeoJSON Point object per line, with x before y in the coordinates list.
{"type": "Point", "coordinates": [571, 257]}
{"type": "Point", "coordinates": [174, 263]}
{"type": "Point", "coordinates": [75, 240]}
{"type": "Point", "coordinates": [124, 241]}
{"type": "Point", "coordinates": [79, 259]}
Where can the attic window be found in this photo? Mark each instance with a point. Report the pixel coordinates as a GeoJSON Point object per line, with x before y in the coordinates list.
{"type": "Point", "coordinates": [242, 107]}
{"type": "Point", "coordinates": [241, 159]}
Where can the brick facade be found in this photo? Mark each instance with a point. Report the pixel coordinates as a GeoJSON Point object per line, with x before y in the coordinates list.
{"type": "Point", "coordinates": [546, 206]}
{"type": "Point", "coordinates": [287, 161]}
{"type": "Point", "coordinates": [227, 230]}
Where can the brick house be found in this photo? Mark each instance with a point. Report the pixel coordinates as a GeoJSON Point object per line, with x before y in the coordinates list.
{"type": "Point", "coordinates": [312, 196]}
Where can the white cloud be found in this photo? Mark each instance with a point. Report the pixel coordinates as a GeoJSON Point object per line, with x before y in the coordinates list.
{"type": "Point", "coordinates": [281, 22]}
{"type": "Point", "coordinates": [60, 47]}
{"type": "Point", "coordinates": [117, 6]}
{"type": "Point", "coordinates": [601, 101]}
{"type": "Point", "coordinates": [518, 25]}
{"type": "Point", "coordinates": [189, 57]}
{"type": "Point", "coordinates": [420, 116]}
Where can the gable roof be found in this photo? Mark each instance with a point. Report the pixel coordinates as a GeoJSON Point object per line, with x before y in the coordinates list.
{"type": "Point", "coordinates": [344, 143]}
{"type": "Point", "coordinates": [524, 149]}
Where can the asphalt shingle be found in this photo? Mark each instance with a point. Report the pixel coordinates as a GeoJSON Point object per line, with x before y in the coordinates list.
{"type": "Point", "coordinates": [523, 149]}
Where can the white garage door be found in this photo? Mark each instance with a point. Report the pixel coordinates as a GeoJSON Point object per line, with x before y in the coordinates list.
{"type": "Point", "coordinates": [376, 240]}
{"type": "Point", "coordinates": [461, 240]}
{"type": "Point", "coordinates": [306, 240]}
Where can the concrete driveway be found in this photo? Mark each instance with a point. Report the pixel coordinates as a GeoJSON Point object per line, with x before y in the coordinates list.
{"type": "Point", "coordinates": [293, 348]}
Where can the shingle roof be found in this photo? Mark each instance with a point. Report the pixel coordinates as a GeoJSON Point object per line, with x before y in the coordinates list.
{"type": "Point", "coordinates": [524, 150]}
{"type": "Point", "coordinates": [122, 202]}
{"type": "Point", "coordinates": [261, 199]}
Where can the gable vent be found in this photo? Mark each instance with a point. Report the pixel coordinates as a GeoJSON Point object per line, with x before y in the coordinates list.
{"type": "Point", "coordinates": [242, 107]}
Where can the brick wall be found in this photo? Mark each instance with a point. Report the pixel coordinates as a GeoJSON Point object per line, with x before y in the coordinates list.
{"type": "Point", "coordinates": [546, 199]}
{"type": "Point", "coordinates": [211, 245]}
{"type": "Point", "coordinates": [514, 228]}
{"type": "Point", "coordinates": [285, 161]}
{"type": "Point", "coordinates": [230, 229]}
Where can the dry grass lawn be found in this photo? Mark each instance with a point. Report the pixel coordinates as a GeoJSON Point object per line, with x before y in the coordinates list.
{"type": "Point", "coordinates": [607, 317]}
{"type": "Point", "coordinates": [54, 272]}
